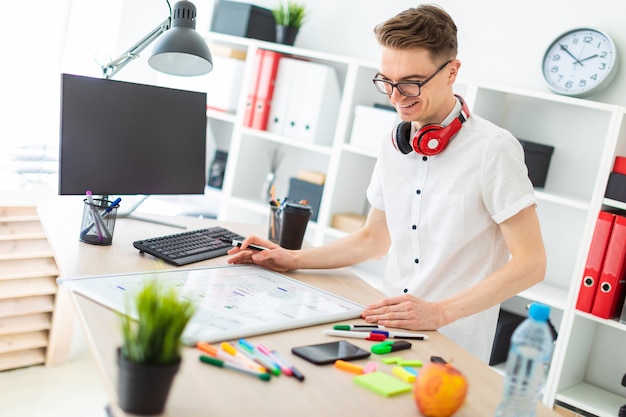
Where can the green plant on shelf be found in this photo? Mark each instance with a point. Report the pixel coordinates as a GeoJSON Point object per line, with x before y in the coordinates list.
{"type": "Point", "coordinates": [289, 14]}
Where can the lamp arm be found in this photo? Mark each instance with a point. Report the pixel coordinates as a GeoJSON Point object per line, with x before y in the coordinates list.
{"type": "Point", "coordinates": [110, 69]}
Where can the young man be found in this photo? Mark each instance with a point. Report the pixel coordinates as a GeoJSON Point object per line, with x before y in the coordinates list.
{"type": "Point", "coordinates": [451, 200]}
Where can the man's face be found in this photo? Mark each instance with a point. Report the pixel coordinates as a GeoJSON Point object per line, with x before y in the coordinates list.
{"type": "Point", "coordinates": [406, 65]}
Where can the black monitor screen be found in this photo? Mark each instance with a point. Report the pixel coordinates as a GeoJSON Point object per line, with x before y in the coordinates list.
{"type": "Point", "coordinates": [122, 138]}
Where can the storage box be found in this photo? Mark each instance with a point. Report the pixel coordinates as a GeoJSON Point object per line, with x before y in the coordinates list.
{"type": "Point", "coordinates": [243, 19]}
{"type": "Point", "coordinates": [537, 157]}
{"type": "Point", "coordinates": [303, 190]}
{"type": "Point", "coordinates": [507, 323]}
{"type": "Point", "coordinates": [616, 187]}
{"type": "Point", "coordinates": [372, 126]}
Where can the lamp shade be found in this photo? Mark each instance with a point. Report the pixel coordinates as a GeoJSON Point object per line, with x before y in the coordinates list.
{"type": "Point", "coordinates": [181, 50]}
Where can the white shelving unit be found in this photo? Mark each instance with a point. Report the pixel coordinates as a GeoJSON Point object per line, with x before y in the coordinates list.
{"type": "Point", "coordinates": [588, 364]}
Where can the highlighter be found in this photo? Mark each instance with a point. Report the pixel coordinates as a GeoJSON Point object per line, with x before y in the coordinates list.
{"type": "Point", "coordinates": [387, 347]}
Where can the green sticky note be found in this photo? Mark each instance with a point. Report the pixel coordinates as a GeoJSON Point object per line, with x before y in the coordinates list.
{"type": "Point", "coordinates": [392, 360]}
{"type": "Point", "coordinates": [410, 363]}
{"type": "Point", "coordinates": [383, 384]}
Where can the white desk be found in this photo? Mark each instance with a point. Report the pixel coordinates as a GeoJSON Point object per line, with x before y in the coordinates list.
{"type": "Point", "coordinates": [201, 390]}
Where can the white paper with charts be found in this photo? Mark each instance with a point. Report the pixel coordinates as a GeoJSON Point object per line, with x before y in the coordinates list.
{"type": "Point", "coordinates": [233, 301]}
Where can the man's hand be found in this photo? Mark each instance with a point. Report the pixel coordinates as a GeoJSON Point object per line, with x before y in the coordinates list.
{"type": "Point", "coordinates": [274, 257]}
{"type": "Point", "coordinates": [404, 312]}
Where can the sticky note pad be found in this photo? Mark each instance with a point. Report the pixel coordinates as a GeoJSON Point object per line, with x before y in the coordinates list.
{"type": "Point", "coordinates": [392, 360]}
{"type": "Point", "coordinates": [403, 374]}
{"type": "Point", "coordinates": [383, 384]}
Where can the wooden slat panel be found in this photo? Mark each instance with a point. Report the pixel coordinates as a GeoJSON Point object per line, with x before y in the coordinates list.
{"type": "Point", "coordinates": [28, 267]}
{"type": "Point", "coordinates": [26, 305]}
{"type": "Point", "coordinates": [22, 324]}
{"type": "Point", "coordinates": [18, 211]}
{"type": "Point", "coordinates": [20, 227]}
{"type": "Point", "coordinates": [23, 341]}
{"type": "Point", "coordinates": [24, 246]}
{"type": "Point", "coordinates": [21, 359]}
{"type": "Point", "coordinates": [27, 287]}
{"type": "Point", "coordinates": [28, 256]}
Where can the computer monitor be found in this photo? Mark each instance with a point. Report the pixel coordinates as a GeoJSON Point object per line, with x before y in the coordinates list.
{"type": "Point", "coordinates": [123, 138]}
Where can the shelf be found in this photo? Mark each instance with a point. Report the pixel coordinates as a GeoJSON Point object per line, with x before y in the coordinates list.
{"type": "Point", "coordinates": [359, 151]}
{"type": "Point", "coordinates": [220, 115]}
{"type": "Point", "coordinates": [562, 200]}
{"type": "Point", "coordinates": [614, 323]}
{"type": "Point", "coordinates": [313, 147]}
{"type": "Point", "coordinates": [614, 203]}
{"type": "Point", "coordinates": [547, 294]}
{"type": "Point", "coordinates": [592, 399]}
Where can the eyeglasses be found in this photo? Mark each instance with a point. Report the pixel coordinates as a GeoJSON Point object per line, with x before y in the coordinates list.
{"type": "Point", "coordinates": [406, 88]}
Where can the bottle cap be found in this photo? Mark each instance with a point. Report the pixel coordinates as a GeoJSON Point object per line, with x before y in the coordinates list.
{"type": "Point", "coordinates": [539, 312]}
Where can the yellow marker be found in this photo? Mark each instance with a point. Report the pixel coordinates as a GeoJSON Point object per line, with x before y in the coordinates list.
{"type": "Point", "coordinates": [403, 374]}
{"type": "Point", "coordinates": [228, 348]}
{"type": "Point", "coordinates": [348, 367]}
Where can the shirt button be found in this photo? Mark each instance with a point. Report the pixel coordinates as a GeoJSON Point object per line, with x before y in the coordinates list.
{"type": "Point", "coordinates": [417, 261]}
{"type": "Point", "coordinates": [418, 191]}
{"type": "Point", "coordinates": [414, 227]}
{"type": "Point", "coordinates": [424, 158]}
{"type": "Point", "coordinates": [406, 290]}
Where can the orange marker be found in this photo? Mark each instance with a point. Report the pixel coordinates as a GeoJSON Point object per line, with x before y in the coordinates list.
{"type": "Point", "coordinates": [237, 354]}
{"type": "Point", "coordinates": [348, 367]}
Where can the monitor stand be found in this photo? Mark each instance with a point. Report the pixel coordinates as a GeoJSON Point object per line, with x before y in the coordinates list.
{"type": "Point", "coordinates": [129, 215]}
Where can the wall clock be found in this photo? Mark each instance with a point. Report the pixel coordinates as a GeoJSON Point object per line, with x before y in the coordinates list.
{"type": "Point", "coordinates": [580, 62]}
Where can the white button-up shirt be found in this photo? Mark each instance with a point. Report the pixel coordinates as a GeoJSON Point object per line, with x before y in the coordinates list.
{"type": "Point", "coordinates": [443, 213]}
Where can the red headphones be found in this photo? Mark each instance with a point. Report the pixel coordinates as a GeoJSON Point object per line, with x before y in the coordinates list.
{"type": "Point", "coordinates": [431, 139]}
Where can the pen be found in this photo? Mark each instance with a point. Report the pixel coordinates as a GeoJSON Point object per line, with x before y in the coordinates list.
{"type": "Point", "coordinates": [262, 359]}
{"type": "Point", "coordinates": [230, 349]}
{"type": "Point", "coordinates": [401, 335]}
{"type": "Point", "coordinates": [220, 354]}
{"type": "Point", "coordinates": [106, 212]}
{"type": "Point", "coordinates": [284, 361]}
{"type": "Point", "coordinates": [96, 217]}
{"type": "Point", "coordinates": [387, 347]}
{"type": "Point", "coordinates": [235, 367]}
{"type": "Point", "coordinates": [358, 327]}
{"type": "Point", "coordinates": [356, 335]}
{"type": "Point", "coordinates": [238, 243]}
{"type": "Point", "coordinates": [283, 367]}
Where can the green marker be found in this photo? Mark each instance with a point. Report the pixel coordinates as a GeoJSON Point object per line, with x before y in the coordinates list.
{"type": "Point", "coordinates": [358, 327]}
{"type": "Point", "coordinates": [264, 376]}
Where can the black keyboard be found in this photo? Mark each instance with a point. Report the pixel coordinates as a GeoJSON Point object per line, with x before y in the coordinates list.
{"type": "Point", "coordinates": [187, 247]}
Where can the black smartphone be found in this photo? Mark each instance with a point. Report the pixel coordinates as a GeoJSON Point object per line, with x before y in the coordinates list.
{"type": "Point", "coordinates": [325, 353]}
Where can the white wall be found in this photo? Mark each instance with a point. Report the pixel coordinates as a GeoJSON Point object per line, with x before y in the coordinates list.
{"type": "Point", "coordinates": [499, 41]}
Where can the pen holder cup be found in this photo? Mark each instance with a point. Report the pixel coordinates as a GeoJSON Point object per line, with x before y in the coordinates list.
{"type": "Point", "coordinates": [273, 231]}
{"type": "Point", "coordinates": [295, 218]}
{"type": "Point", "coordinates": [98, 222]}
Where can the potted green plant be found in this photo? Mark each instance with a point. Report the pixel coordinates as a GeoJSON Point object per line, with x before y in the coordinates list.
{"type": "Point", "coordinates": [150, 354]}
{"type": "Point", "coordinates": [289, 17]}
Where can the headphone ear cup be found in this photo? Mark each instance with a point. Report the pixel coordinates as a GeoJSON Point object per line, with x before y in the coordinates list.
{"type": "Point", "coordinates": [400, 137]}
{"type": "Point", "coordinates": [431, 140]}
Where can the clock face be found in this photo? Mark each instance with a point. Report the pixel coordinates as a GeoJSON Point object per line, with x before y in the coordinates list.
{"type": "Point", "coordinates": [580, 62]}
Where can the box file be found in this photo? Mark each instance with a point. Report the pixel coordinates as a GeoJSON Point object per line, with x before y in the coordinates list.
{"type": "Point", "coordinates": [595, 261]}
{"type": "Point", "coordinates": [303, 190]}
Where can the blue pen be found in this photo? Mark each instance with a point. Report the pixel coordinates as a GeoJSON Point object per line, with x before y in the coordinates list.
{"type": "Point", "coordinates": [260, 357]}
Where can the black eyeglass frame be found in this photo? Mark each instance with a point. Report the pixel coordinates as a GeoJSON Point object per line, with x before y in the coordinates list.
{"type": "Point", "coordinates": [399, 85]}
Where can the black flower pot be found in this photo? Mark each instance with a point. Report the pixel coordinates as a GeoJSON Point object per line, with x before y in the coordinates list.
{"type": "Point", "coordinates": [286, 34]}
{"type": "Point", "coordinates": [143, 388]}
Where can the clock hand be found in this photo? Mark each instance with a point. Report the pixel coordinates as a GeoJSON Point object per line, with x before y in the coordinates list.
{"type": "Point", "coordinates": [589, 57]}
{"type": "Point", "coordinates": [564, 48]}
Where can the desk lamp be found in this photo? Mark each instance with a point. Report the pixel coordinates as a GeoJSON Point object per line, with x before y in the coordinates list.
{"type": "Point", "coordinates": [181, 51]}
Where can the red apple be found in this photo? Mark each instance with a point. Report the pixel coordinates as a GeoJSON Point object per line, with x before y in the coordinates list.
{"type": "Point", "coordinates": [440, 390]}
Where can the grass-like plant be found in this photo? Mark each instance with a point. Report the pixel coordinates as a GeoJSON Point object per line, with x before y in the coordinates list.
{"type": "Point", "coordinates": [155, 337]}
{"type": "Point", "coordinates": [289, 13]}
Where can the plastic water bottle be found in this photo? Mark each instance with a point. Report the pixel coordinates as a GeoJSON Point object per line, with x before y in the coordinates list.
{"type": "Point", "coordinates": [527, 364]}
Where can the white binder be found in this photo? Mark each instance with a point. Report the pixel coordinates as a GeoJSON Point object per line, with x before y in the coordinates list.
{"type": "Point", "coordinates": [306, 101]}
